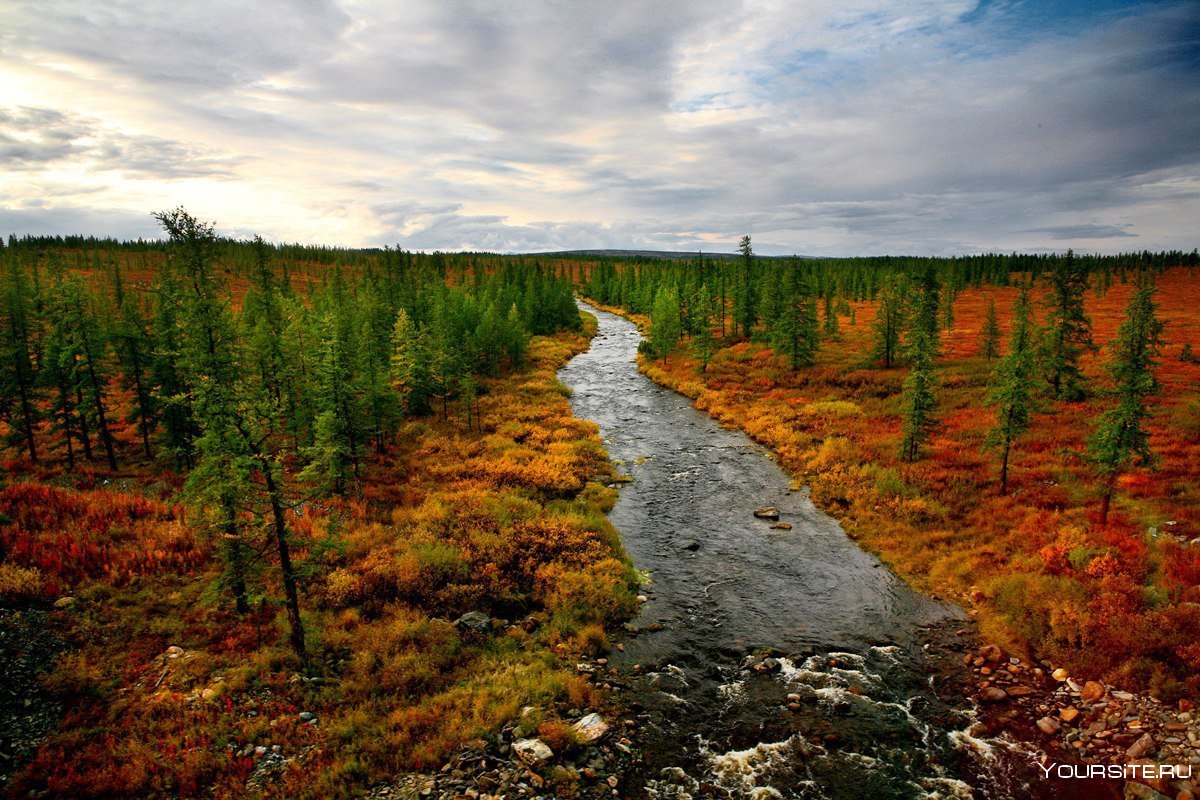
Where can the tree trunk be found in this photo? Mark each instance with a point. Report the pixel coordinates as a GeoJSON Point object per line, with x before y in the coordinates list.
{"type": "Point", "coordinates": [285, 562]}
{"type": "Point", "coordinates": [1004, 470]}
{"type": "Point", "coordinates": [85, 434]}
{"type": "Point", "coordinates": [27, 417]}
{"type": "Point", "coordinates": [236, 557]}
{"type": "Point", "coordinates": [1106, 502]}
{"type": "Point", "coordinates": [143, 404]}
{"type": "Point", "coordinates": [97, 397]}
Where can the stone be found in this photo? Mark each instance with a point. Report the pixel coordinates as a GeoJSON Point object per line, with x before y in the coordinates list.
{"type": "Point", "coordinates": [691, 545]}
{"type": "Point", "coordinates": [591, 728]}
{"type": "Point", "coordinates": [782, 526]}
{"type": "Point", "coordinates": [1140, 791]}
{"type": "Point", "coordinates": [307, 716]}
{"type": "Point", "coordinates": [1020, 690]}
{"type": "Point", "coordinates": [1068, 714]}
{"type": "Point", "coordinates": [1143, 747]}
{"type": "Point", "coordinates": [767, 512]}
{"type": "Point", "coordinates": [1049, 725]}
{"type": "Point", "coordinates": [532, 751]}
{"type": "Point", "coordinates": [1060, 674]}
{"type": "Point", "coordinates": [993, 694]}
{"type": "Point", "coordinates": [992, 653]}
{"type": "Point", "coordinates": [174, 651]}
{"type": "Point", "coordinates": [64, 602]}
{"type": "Point", "coordinates": [1091, 692]}
{"type": "Point", "coordinates": [475, 621]}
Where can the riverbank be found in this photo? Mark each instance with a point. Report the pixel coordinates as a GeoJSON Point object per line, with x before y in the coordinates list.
{"type": "Point", "coordinates": [830, 429]}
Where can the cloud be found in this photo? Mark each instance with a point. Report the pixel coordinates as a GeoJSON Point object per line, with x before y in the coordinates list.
{"type": "Point", "coordinates": [833, 126]}
{"type": "Point", "coordinates": [37, 138]}
{"type": "Point", "coordinates": [1086, 231]}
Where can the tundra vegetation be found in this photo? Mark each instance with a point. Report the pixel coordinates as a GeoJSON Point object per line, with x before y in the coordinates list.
{"type": "Point", "coordinates": [261, 483]}
{"type": "Point", "coordinates": [1020, 433]}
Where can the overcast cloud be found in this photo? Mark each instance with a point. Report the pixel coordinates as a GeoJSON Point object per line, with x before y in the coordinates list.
{"type": "Point", "coordinates": [823, 127]}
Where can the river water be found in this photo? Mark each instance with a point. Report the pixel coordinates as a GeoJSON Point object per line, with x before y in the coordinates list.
{"type": "Point", "coordinates": [867, 661]}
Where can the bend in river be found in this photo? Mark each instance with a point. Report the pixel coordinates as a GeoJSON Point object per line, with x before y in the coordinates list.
{"type": "Point", "coordinates": [849, 706]}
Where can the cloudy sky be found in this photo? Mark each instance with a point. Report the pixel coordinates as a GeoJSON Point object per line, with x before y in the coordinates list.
{"type": "Point", "coordinates": [820, 127]}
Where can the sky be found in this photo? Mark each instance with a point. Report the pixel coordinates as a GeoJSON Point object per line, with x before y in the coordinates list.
{"type": "Point", "coordinates": [823, 127]}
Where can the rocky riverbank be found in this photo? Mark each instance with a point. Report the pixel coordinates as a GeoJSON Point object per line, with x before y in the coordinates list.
{"type": "Point", "coordinates": [1082, 727]}
{"type": "Point", "coordinates": [589, 759]}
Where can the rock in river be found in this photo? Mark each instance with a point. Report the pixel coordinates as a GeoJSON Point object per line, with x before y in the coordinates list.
{"type": "Point", "coordinates": [767, 512]}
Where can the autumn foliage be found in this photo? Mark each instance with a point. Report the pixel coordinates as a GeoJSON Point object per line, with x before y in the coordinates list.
{"type": "Point", "coordinates": [1119, 601]}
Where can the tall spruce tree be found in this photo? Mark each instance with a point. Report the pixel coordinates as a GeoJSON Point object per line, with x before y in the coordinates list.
{"type": "Point", "coordinates": [1012, 388]}
{"type": "Point", "coordinates": [890, 320]}
{"type": "Point", "coordinates": [794, 334]}
{"type": "Point", "coordinates": [665, 328]}
{"type": "Point", "coordinates": [703, 311]}
{"type": "Point", "coordinates": [989, 336]}
{"type": "Point", "coordinates": [1068, 331]}
{"type": "Point", "coordinates": [1121, 439]}
{"type": "Point", "coordinates": [745, 300]}
{"type": "Point", "coordinates": [920, 385]}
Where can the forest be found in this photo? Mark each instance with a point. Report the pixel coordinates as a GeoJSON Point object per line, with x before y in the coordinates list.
{"type": "Point", "coordinates": [248, 487]}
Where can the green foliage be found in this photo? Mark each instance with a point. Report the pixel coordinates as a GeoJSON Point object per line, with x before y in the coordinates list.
{"type": "Point", "coordinates": [989, 337]}
{"type": "Point", "coordinates": [1121, 438]}
{"type": "Point", "coordinates": [1068, 331]}
{"type": "Point", "coordinates": [890, 321]}
{"type": "Point", "coordinates": [1012, 388]}
{"type": "Point", "coordinates": [665, 326]}
{"type": "Point", "coordinates": [920, 386]}
{"type": "Point", "coordinates": [794, 332]}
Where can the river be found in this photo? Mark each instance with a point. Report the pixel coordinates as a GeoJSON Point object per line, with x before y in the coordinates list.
{"type": "Point", "coordinates": [859, 699]}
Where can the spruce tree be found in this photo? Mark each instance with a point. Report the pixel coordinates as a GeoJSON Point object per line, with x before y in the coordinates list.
{"type": "Point", "coordinates": [890, 320]}
{"type": "Point", "coordinates": [19, 396]}
{"type": "Point", "coordinates": [745, 311]}
{"type": "Point", "coordinates": [665, 328]}
{"type": "Point", "coordinates": [703, 343]}
{"type": "Point", "coordinates": [795, 333]}
{"type": "Point", "coordinates": [1068, 331]}
{"type": "Point", "coordinates": [920, 385]}
{"type": "Point", "coordinates": [989, 337]}
{"type": "Point", "coordinates": [1012, 388]}
{"type": "Point", "coordinates": [1121, 439]}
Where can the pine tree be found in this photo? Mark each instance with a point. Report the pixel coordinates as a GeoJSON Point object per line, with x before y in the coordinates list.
{"type": "Point", "coordinates": [130, 336]}
{"type": "Point", "coordinates": [989, 340]}
{"type": "Point", "coordinates": [1012, 388]}
{"type": "Point", "coordinates": [703, 343]}
{"type": "Point", "coordinates": [920, 385]}
{"type": "Point", "coordinates": [890, 321]}
{"type": "Point", "coordinates": [795, 333]}
{"type": "Point", "coordinates": [665, 327]}
{"type": "Point", "coordinates": [19, 397]}
{"type": "Point", "coordinates": [831, 318]}
{"type": "Point", "coordinates": [745, 306]}
{"type": "Point", "coordinates": [1068, 332]}
{"type": "Point", "coordinates": [237, 466]}
{"type": "Point", "coordinates": [410, 365]}
{"type": "Point", "coordinates": [1121, 439]}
